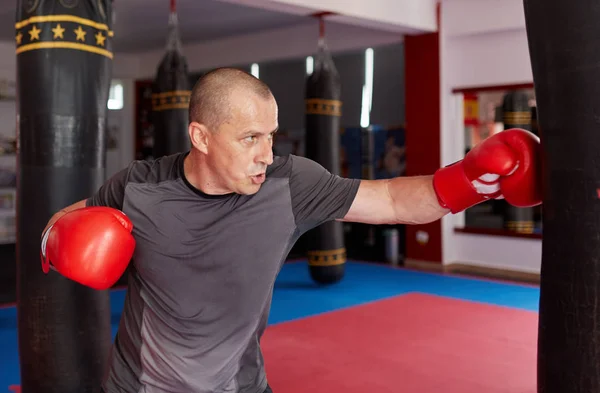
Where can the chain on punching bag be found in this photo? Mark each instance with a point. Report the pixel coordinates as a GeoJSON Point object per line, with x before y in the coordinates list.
{"type": "Point", "coordinates": [564, 37]}
{"type": "Point", "coordinates": [171, 96]}
{"type": "Point", "coordinates": [517, 114]}
{"type": "Point", "coordinates": [327, 252]}
{"type": "Point", "coordinates": [64, 66]}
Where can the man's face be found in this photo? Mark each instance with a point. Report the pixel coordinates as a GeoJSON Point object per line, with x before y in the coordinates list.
{"type": "Point", "coordinates": [242, 148]}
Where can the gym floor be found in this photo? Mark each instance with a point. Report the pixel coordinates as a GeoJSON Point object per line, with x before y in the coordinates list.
{"type": "Point", "coordinates": [381, 329]}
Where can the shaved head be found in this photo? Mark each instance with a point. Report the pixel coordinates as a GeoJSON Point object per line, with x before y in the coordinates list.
{"type": "Point", "coordinates": [210, 102]}
{"type": "Point", "coordinates": [233, 119]}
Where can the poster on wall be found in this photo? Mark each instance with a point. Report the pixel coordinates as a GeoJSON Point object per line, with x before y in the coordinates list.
{"type": "Point", "coordinates": [391, 161]}
{"type": "Point", "coordinates": [372, 153]}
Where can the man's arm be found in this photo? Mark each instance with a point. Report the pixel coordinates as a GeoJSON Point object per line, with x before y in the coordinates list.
{"type": "Point", "coordinates": [504, 165]}
{"type": "Point", "coordinates": [90, 241]}
{"type": "Point", "coordinates": [110, 194]}
{"type": "Point", "coordinates": [62, 212]}
{"type": "Point", "coordinates": [402, 200]}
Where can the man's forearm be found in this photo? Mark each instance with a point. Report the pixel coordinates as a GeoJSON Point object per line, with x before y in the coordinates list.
{"type": "Point", "coordinates": [401, 200]}
{"type": "Point", "coordinates": [62, 212]}
{"type": "Point", "coordinates": [414, 200]}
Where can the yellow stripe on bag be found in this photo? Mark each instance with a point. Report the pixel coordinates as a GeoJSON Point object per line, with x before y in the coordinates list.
{"type": "Point", "coordinates": [64, 18]}
{"type": "Point", "coordinates": [327, 258]}
{"type": "Point", "coordinates": [67, 45]}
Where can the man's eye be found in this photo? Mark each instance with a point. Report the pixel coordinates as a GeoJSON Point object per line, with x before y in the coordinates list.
{"type": "Point", "coordinates": [250, 139]}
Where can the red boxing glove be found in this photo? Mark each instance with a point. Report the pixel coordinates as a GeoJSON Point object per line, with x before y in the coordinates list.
{"type": "Point", "coordinates": [505, 165]}
{"type": "Point", "coordinates": [91, 245]}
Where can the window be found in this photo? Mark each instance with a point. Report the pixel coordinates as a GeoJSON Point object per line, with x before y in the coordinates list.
{"type": "Point", "coordinates": [115, 96]}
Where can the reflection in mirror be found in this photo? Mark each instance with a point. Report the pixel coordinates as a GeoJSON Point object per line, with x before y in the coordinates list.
{"type": "Point", "coordinates": [487, 112]}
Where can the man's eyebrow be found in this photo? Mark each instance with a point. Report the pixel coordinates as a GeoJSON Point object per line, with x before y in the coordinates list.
{"type": "Point", "coordinates": [254, 132]}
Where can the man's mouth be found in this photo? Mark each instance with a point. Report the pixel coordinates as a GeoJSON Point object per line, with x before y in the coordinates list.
{"type": "Point", "coordinates": [258, 179]}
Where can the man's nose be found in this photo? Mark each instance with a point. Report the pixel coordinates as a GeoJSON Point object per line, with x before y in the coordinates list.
{"type": "Point", "coordinates": [266, 153]}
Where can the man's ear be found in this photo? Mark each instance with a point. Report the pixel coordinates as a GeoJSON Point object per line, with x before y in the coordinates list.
{"type": "Point", "coordinates": [198, 136]}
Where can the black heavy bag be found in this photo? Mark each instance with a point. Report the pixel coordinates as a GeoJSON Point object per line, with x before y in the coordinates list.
{"type": "Point", "coordinates": [326, 250]}
{"type": "Point", "coordinates": [171, 96]}
{"type": "Point", "coordinates": [564, 44]}
{"type": "Point", "coordinates": [516, 113]}
{"type": "Point", "coordinates": [64, 66]}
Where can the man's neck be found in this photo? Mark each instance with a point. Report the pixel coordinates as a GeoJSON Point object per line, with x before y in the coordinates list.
{"type": "Point", "coordinates": [199, 175]}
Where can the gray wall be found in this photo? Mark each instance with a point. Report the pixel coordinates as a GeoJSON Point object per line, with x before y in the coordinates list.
{"type": "Point", "coordinates": [287, 80]}
{"type": "Point", "coordinates": [351, 67]}
{"type": "Point", "coordinates": [388, 86]}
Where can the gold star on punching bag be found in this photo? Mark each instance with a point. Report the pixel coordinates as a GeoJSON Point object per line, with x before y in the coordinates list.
{"type": "Point", "coordinates": [34, 33]}
{"type": "Point", "coordinates": [64, 32]}
{"type": "Point", "coordinates": [100, 39]}
{"type": "Point", "coordinates": [80, 34]}
{"type": "Point", "coordinates": [58, 32]}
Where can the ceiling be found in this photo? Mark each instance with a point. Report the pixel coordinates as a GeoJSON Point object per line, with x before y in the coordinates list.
{"type": "Point", "coordinates": [141, 25]}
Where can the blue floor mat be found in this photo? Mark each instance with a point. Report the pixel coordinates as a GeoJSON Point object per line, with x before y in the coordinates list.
{"type": "Point", "coordinates": [297, 296]}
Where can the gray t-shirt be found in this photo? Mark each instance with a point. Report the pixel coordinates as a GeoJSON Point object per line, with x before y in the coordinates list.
{"type": "Point", "coordinates": [202, 275]}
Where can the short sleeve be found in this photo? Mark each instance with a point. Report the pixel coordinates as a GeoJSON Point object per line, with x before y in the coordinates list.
{"type": "Point", "coordinates": [112, 192]}
{"type": "Point", "coordinates": [317, 194]}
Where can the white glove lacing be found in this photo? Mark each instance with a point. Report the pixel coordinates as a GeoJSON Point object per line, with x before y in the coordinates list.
{"type": "Point", "coordinates": [487, 184]}
{"type": "Point", "coordinates": [45, 239]}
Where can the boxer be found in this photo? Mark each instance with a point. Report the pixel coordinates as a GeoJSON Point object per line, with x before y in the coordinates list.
{"type": "Point", "coordinates": [207, 230]}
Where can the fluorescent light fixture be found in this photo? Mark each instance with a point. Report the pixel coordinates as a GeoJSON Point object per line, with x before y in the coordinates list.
{"type": "Point", "coordinates": [310, 64]}
{"type": "Point", "coordinates": [254, 70]}
{"type": "Point", "coordinates": [367, 93]}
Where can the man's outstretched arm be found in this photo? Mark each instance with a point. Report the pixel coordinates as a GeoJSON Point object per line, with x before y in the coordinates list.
{"type": "Point", "coordinates": [402, 200]}
{"type": "Point", "coordinates": [505, 165]}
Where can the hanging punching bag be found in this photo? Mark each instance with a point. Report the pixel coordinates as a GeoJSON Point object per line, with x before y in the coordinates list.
{"type": "Point", "coordinates": [564, 43]}
{"type": "Point", "coordinates": [517, 114]}
{"type": "Point", "coordinates": [171, 96]}
{"type": "Point", "coordinates": [64, 66]}
{"type": "Point", "coordinates": [327, 252]}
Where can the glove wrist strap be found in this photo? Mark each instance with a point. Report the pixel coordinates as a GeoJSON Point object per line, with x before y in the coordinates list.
{"type": "Point", "coordinates": [454, 190]}
{"type": "Point", "coordinates": [45, 260]}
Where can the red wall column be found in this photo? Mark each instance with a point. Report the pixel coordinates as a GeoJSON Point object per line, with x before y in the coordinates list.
{"type": "Point", "coordinates": [422, 81]}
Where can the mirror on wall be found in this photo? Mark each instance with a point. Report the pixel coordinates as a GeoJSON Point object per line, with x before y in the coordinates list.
{"type": "Point", "coordinates": [485, 113]}
{"type": "Point", "coordinates": [489, 112]}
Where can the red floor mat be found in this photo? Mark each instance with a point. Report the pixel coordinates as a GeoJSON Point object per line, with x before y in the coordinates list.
{"type": "Point", "coordinates": [414, 343]}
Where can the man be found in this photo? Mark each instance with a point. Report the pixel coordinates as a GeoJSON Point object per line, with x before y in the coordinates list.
{"type": "Point", "coordinates": [209, 230]}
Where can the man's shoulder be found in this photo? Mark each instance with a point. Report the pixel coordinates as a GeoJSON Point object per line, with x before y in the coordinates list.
{"type": "Point", "coordinates": [156, 170]}
{"type": "Point", "coordinates": [280, 167]}
{"type": "Point", "coordinates": [289, 165]}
